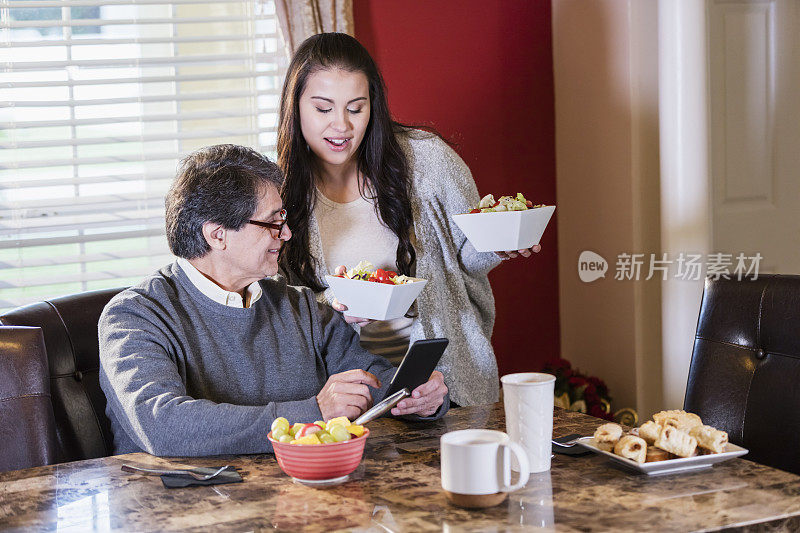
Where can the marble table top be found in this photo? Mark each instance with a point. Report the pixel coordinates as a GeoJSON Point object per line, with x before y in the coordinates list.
{"type": "Point", "coordinates": [397, 487]}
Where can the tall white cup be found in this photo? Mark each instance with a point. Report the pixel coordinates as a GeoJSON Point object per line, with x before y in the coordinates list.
{"type": "Point", "coordinates": [528, 399]}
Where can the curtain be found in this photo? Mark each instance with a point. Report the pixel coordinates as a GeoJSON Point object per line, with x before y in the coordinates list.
{"type": "Point", "coordinates": [300, 19]}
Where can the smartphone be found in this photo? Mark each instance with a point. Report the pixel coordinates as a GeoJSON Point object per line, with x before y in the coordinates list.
{"type": "Point", "coordinates": [417, 365]}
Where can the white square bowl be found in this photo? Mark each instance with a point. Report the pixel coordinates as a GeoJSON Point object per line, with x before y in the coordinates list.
{"type": "Point", "coordinates": [376, 301]}
{"type": "Point", "coordinates": [505, 230]}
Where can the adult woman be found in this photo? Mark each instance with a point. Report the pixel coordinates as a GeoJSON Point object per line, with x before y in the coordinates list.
{"type": "Point", "coordinates": [360, 186]}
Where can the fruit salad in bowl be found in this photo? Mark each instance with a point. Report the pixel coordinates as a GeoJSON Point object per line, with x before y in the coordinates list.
{"type": "Point", "coordinates": [319, 451]}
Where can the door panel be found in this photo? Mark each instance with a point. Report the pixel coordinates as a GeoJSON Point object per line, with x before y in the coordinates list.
{"type": "Point", "coordinates": [755, 130]}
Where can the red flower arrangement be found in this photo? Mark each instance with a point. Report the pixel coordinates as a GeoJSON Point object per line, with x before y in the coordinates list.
{"type": "Point", "coordinates": [578, 392]}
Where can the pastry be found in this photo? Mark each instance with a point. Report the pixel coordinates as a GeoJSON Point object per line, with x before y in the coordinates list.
{"type": "Point", "coordinates": [605, 446]}
{"type": "Point", "coordinates": [649, 432]}
{"type": "Point", "coordinates": [709, 438]}
{"type": "Point", "coordinates": [608, 433]}
{"type": "Point", "coordinates": [677, 418]}
{"type": "Point", "coordinates": [677, 442]}
{"type": "Point", "coordinates": [631, 447]}
{"type": "Point", "coordinates": [656, 454]}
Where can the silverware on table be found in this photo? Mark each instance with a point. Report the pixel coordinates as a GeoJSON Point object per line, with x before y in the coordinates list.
{"type": "Point", "coordinates": [381, 407]}
{"type": "Point", "coordinates": [157, 472]}
{"type": "Point", "coordinates": [569, 441]}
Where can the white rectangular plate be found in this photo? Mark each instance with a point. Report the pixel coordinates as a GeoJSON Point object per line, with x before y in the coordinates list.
{"type": "Point", "coordinates": [670, 466]}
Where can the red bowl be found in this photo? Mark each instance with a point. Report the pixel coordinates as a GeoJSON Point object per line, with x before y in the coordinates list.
{"type": "Point", "coordinates": [318, 462]}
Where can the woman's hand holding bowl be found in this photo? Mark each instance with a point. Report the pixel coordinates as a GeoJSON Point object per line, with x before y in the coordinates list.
{"type": "Point", "coordinates": [526, 252]}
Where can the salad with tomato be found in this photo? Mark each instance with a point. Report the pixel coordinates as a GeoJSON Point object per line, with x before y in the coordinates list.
{"type": "Point", "coordinates": [506, 203]}
{"type": "Point", "coordinates": [364, 271]}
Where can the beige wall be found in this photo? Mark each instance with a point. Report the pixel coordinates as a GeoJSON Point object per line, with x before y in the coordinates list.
{"type": "Point", "coordinates": [606, 91]}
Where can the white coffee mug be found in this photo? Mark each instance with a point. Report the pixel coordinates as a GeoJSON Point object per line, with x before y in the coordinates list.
{"type": "Point", "coordinates": [528, 399]}
{"type": "Point", "coordinates": [476, 467]}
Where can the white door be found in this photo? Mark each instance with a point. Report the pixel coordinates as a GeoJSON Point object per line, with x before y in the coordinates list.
{"type": "Point", "coordinates": [754, 67]}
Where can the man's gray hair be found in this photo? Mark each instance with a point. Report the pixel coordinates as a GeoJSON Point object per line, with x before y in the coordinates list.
{"type": "Point", "coordinates": [220, 184]}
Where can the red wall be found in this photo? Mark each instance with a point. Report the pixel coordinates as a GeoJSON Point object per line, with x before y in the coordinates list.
{"type": "Point", "coordinates": [481, 73]}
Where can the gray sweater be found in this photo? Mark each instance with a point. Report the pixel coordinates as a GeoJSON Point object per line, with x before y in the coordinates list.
{"type": "Point", "coordinates": [185, 375]}
{"type": "Point", "coordinates": [457, 302]}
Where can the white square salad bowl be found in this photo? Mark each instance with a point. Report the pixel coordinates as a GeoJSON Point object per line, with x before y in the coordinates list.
{"type": "Point", "coordinates": [505, 230]}
{"type": "Point", "coordinates": [376, 301]}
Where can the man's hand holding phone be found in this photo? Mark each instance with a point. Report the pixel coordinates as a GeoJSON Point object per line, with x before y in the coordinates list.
{"type": "Point", "coordinates": [425, 400]}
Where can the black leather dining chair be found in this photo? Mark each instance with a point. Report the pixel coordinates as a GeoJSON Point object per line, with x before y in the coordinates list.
{"type": "Point", "coordinates": [745, 367]}
{"type": "Point", "coordinates": [69, 328]}
{"type": "Point", "coordinates": [27, 424]}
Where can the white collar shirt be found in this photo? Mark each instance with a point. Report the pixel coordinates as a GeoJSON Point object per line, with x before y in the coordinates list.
{"type": "Point", "coordinates": [217, 293]}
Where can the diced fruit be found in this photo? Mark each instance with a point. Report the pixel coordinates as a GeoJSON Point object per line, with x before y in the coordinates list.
{"type": "Point", "coordinates": [279, 432]}
{"type": "Point", "coordinates": [306, 430]}
{"type": "Point", "coordinates": [308, 439]}
{"type": "Point", "coordinates": [280, 422]}
{"type": "Point", "coordinates": [339, 433]}
{"type": "Point", "coordinates": [320, 423]}
{"type": "Point", "coordinates": [295, 428]}
{"type": "Point", "coordinates": [325, 438]}
{"type": "Point", "coordinates": [356, 430]}
{"type": "Point", "coordinates": [341, 420]}
{"type": "Point", "coordinates": [286, 438]}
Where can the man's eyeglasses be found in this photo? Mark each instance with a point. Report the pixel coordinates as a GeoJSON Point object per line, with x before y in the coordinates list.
{"type": "Point", "coordinates": [272, 225]}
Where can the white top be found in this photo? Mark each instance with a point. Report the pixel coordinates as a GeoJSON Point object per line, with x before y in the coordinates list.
{"type": "Point", "coordinates": [217, 293]}
{"type": "Point", "coordinates": [354, 232]}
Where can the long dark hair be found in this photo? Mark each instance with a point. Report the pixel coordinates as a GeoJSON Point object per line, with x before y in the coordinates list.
{"type": "Point", "coordinates": [380, 159]}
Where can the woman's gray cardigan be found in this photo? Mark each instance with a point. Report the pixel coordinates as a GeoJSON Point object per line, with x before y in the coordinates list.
{"type": "Point", "coordinates": [457, 303]}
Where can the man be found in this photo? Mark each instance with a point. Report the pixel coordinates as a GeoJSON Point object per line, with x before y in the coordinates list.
{"type": "Point", "coordinates": [203, 355]}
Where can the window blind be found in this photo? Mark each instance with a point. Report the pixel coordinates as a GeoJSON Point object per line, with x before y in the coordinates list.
{"type": "Point", "coordinates": [99, 100]}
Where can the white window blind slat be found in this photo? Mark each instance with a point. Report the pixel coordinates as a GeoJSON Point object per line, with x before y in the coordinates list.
{"type": "Point", "coordinates": [99, 101]}
{"type": "Point", "coordinates": [141, 40]}
{"type": "Point", "coordinates": [138, 158]}
{"type": "Point", "coordinates": [188, 116]}
{"type": "Point", "coordinates": [139, 99]}
{"type": "Point", "coordinates": [76, 277]}
{"type": "Point", "coordinates": [97, 3]}
{"type": "Point", "coordinates": [86, 258]}
{"type": "Point", "coordinates": [137, 62]}
{"type": "Point", "coordinates": [13, 184]}
{"type": "Point", "coordinates": [49, 207]}
{"type": "Point", "coordinates": [78, 23]}
{"type": "Point", "coordinates": [126, 233]}
{"type": "Point", "coordinates": [203, 134]}
{"type": "Point", "coordinates": [125, 215]}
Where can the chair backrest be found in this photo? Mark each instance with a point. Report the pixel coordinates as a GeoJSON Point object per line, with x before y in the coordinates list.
{"type": "Point", "coordinates": [69, 325]}
{"type": "Point", "coordinates": [27, 425]}
{"type": "Point", "coordinates": [745, 366]}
